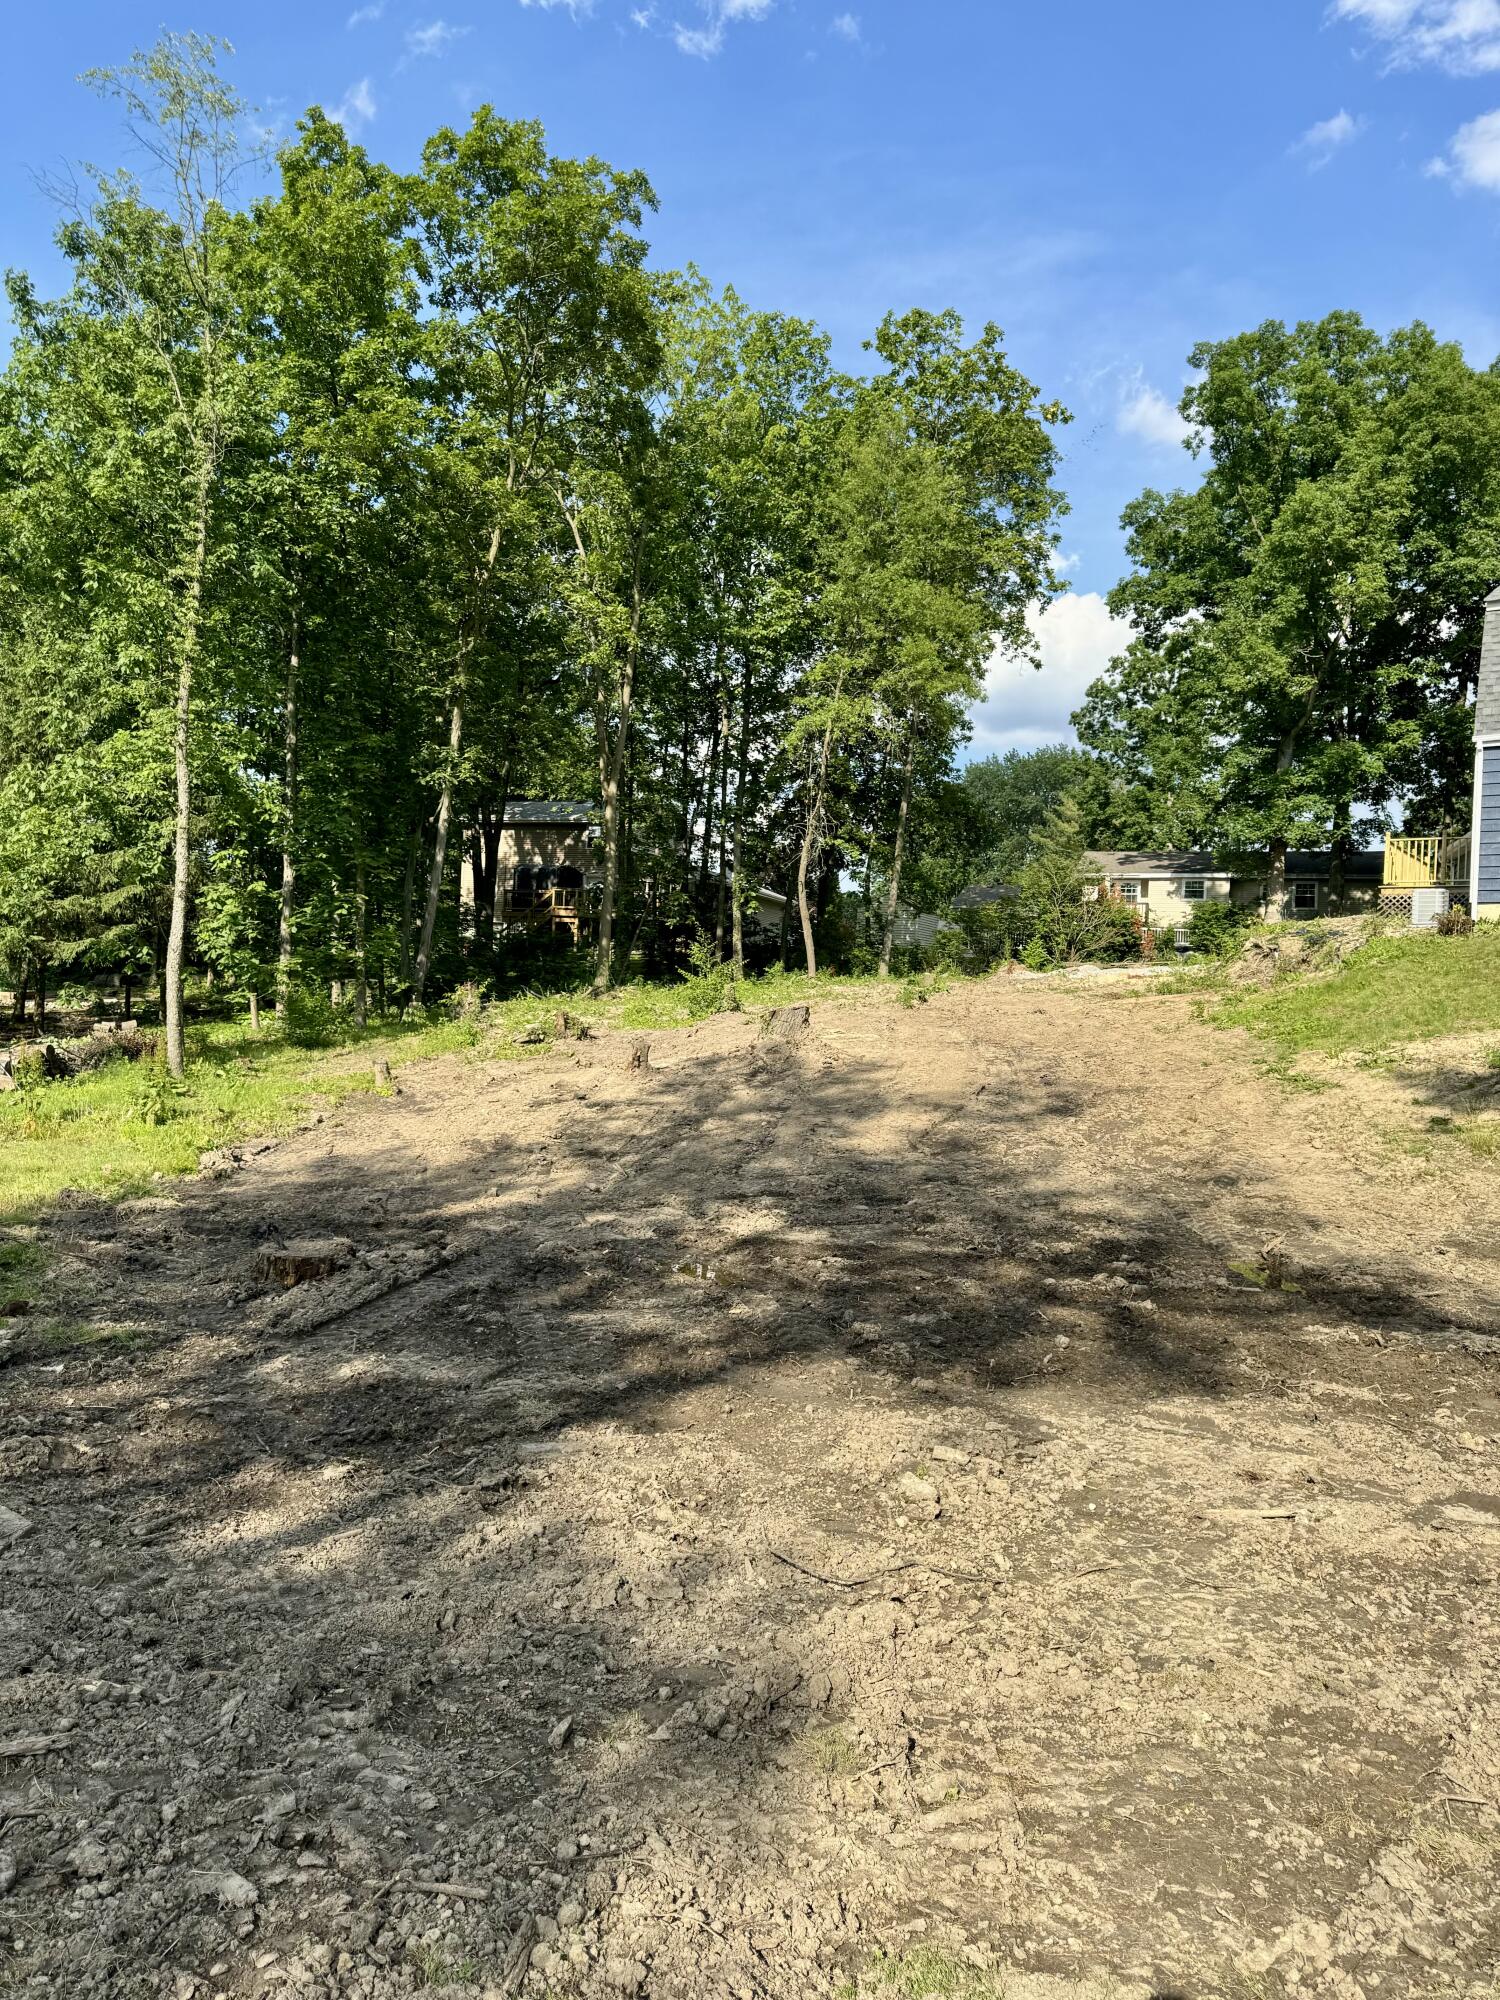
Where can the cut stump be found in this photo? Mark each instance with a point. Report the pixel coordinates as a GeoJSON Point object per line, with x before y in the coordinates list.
{"type": "Point", "coordinates": [786, 1024]}
{"type": "Point", "coordinates": [311, 1257]}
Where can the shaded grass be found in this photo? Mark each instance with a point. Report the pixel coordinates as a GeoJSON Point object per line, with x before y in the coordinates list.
{"type": "Point", "coordinates": [1394, 989]}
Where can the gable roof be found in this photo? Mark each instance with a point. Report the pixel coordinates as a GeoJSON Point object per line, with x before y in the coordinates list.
{"type": "Point", "coordinates": [551, 812]}
{"type": "Point", "coordinates": [1166, 861]}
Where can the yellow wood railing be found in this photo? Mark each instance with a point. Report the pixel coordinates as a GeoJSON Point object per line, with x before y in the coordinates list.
{"type": "Point", "coordinates": [1426, 861]}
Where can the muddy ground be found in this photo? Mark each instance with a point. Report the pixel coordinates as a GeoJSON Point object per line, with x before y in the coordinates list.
{"type": "Point", "coordinates": [1005, 1483]}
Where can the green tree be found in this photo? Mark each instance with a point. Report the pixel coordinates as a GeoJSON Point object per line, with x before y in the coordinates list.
{"type": "Point", "coordinates": [1306, 621]}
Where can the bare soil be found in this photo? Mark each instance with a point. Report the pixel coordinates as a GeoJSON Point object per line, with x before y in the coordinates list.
{"type": "Point", "coordinates": [1002, 1483]}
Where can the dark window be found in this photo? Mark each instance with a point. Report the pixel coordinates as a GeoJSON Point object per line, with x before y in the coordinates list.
{"type": "Point", "coordinates": [1194, 892]}
{"type": "Point", "coordinates": [1304, 895]}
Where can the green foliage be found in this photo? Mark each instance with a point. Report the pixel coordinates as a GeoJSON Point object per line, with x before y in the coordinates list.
{"type": "Point", "coordinates": [1306, 619]}
{"type": "Point", "coordinates": [1215, 928]}
{"type": "Point", "coordinates": [1012, 796]}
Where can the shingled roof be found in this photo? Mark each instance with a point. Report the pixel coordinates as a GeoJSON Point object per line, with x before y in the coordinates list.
{"type": "Point", "coordinates": [551, 812]}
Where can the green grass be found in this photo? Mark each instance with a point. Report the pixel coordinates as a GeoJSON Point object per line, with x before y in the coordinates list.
{"type": "Point", "coordinates": [915, 1974]}
{"type": "Point", "coordinates": [118, 1128]}
{"type": "Point", "coordinates": [1394, 989]}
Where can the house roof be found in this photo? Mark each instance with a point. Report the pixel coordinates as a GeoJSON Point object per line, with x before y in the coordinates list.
{"type": "Point", "coordinates": [551, 812]}
{"type": "Point", "coordinates": [1167, 861]}
{"type": "Point", "coordinates": [1362, 865]}
{"type": "Point", "coordinates": [979, 893]}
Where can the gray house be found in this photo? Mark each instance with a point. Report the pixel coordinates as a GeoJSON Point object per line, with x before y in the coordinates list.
{"type": "Point", "coordinates": [1484, 859]}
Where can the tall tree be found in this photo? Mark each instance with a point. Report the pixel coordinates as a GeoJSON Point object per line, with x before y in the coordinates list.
{"type": "Point", "coordinates": [1306, 621]}
{"type": "Point", "coordinates": [162, 270]}
{"type": "Point", "coordinates": [542, 314]}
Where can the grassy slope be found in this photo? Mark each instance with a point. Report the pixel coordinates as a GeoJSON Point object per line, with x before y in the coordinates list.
{"type": "Point", "coordinates": [1405, 988]}
{"type": "Point", "coordinates": [118, 1127]}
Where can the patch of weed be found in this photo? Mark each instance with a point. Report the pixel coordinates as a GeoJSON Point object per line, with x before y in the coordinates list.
{"type": "Point", "coordinates": [914, 1974]}
{"type": "Point", "coordinates": [1281, 1070]}
{"type": "Point", "coordinates": [75, 1336]}
{"type": "Point", "coordinates": [433, 1967]}
{"type": "Point", "coordinates": [835, 1754]}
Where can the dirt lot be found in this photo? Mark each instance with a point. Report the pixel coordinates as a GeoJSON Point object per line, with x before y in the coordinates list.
{"type": "Point", "coordinates": [1005, 1484]}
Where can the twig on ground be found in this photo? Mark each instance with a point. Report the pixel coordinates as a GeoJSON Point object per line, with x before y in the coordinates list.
{"type": "Point", "coordinates": [876, 1575]}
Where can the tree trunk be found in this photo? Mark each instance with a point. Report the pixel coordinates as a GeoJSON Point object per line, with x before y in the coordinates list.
{"type": "Point", "coordinates": [408, 898]}
{"type": "Point", "coordinates": [439, 851]}
{"type": "Point", "coordinates": [1276, 882]}
{"type": "Point", "coordinates": [288, 831]}
{"type": "Point", "coordinates": [708, 814]}
{"type": "Point", "coordinates": [254, 1012]}
{"type": "Point", "coordinates": [893, 893]}
{"type": "Point", "coordinates": [719, 898]}
{"type": "Point", "coordinates": [741, 776]}
{"type": "Point", "coordinates": [362, 970]}
{"type": "Point", "coordinates": [467, 637]}
{"type": "Point", "coordinates": [182, 830]}
{"type": "Point", "coordinates": [1338, 865]}
{"type": "Point", "coordinates": [127, 997]}
{"type": "Point", "coordinates": [18, 1012]}
{"type": "Point", "coordinates": [810, 836]}
{"type": "Point", "coordinates": [41, 998]}
{"type": "Point", "coordinates": [604, 951]}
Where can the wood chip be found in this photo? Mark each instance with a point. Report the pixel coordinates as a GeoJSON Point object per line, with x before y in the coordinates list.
{"type": "Point", "coordinates": [33, 1746]}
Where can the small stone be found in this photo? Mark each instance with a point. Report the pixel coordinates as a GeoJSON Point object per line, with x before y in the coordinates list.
{"type": "Point", "coordinates": [87, 1858]}
{"type": "Point", "coordinates": [12, 1526]}
{"type": "Point", "coordinates": [919, 1494]}
{"type": "Point", "coordinates": [559, 1733]}
{"type": "Point", "coordinates": [234, 1891]}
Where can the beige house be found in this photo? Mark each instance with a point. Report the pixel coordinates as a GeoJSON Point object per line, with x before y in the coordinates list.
{"type": "Point", "coordinates": [1169, 885]}
{"type": "Point", "coordinates": [547, 863]}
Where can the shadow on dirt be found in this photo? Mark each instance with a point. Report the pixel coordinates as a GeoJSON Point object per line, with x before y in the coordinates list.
{"type": "Point", "coordinates": [422, 1570]}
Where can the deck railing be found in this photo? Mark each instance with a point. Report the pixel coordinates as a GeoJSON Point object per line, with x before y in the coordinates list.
{"type": "Point", "coordinates": [1426, 861]}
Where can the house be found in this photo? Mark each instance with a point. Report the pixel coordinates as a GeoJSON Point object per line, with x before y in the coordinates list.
{"type": "Point", "coordinates": [547, 863]}
{"type": "Point", "coordinates": [1167, 886]}
{"type": "Point", "coordinates": [1484, 855]}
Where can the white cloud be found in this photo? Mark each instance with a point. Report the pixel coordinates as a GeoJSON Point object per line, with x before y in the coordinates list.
{"type": "Point", "coordinates": [1473, 156]}
{"type": "Point", "coordinates": [846, 27]}
{"type": "Point", "coordinates": [1146, 413]}
{"type": "Point", "coordinates": [720, 15]}
{"type": "Point", "coordinates": [1022, 709]}
{"type": "Point", "coordinates": [356, 107]}
{"type": "Point", "coordinates": [1320, 142]}
{"type": "Point", "coordinates": [1458, 35]}
{"type": "Point", "coordinates": [363, 14]}
{"type": "Point", "coordinates": [432, 38]}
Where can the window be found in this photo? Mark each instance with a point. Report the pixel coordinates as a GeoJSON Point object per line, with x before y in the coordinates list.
{"type": "Point", "coordinates": [1194, 892]}
{"type": "Point", "coordinates": [1304, 895]}
{"type": "Point", "coordinates": [1130, 892]}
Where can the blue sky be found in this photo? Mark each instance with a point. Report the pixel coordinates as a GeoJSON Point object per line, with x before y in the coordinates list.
{"type": "Point", "coordinates": [1108, 181]}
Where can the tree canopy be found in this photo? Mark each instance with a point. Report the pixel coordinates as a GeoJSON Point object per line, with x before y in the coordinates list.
{"type": "Point", "coordinates": [1305, 622]}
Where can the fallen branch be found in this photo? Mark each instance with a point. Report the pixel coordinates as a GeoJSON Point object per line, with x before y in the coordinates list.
{"type": "Point", "coordinates": [33, 1746]}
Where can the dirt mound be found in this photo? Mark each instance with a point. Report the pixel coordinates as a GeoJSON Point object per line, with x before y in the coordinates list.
{"type": "Point", "coordinates": [1318, 946]}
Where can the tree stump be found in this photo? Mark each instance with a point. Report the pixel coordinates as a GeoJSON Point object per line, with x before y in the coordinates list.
{"type": "Point", "coordinates": [786, 1024]}
{"type": "Point", "coordinates": [310, 1257]}
{"type": "Point", "coordinates": [640, 1053]}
